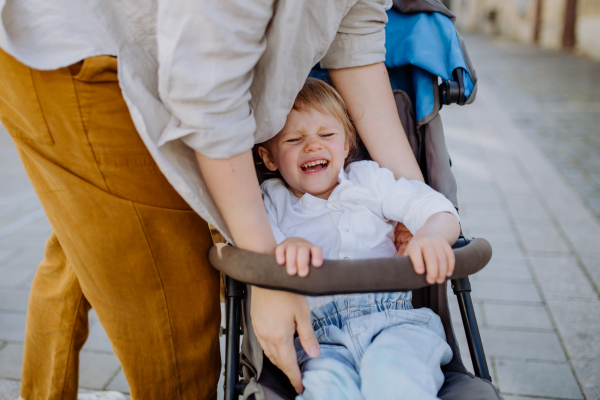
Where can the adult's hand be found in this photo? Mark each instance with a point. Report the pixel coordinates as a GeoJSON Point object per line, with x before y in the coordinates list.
{"type": "Point", "coordinates": [276, 316]}
{"type": "Point", "coordinates": [402, 238]}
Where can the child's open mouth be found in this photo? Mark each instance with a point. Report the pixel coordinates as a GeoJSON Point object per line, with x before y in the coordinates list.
{"type": "Point", "coordinates": [315, 166]}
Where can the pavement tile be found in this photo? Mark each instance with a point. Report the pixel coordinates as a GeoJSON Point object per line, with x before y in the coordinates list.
{"type": "Point", "coordinates": [468, 204]}
{"type": "Point", "coordinates": [15, 275]}
{"type": "Point", "coordinates": [522, 344]}
{"type": "Point", "coordinates": [14, 300]}
{"type": "Point", "coordinates": [507, 252]}
{"type": "Point", "coordinates": [592, 265]}
{"type": "Point", "coordinates": [578, 322]}
{"type": "Point", "coordinates": [97, 339]}
{"type": "Point", "coordinates": [96, 369]}
{"type": "Point", "coordinates": [488, 231]}
{"type": "Point", "coordinates": [569, 209]}
{"type": "Point", "coordinates": [502, 315]}
{"type": "Point", "coordinates": [544, 238]}
{"type": "Point", "coordinates": [119, 383]}
{"type": "Point", "coordinates": [11, 361]}
{"type": "Point", "coordinates": [588, 374]}
{"type": "Point", "coordinates": [526, 210]}
{"type": "Point", "coordinates": [497, 239]}
{"type": "Point", "coordinates": [482, 219]}
{"type": "Point", "coordinates": [537, 379]}
{"type": "Point", "coordinates": [585, 239]}
{"type": "Point", "coordinates": [92, 317]}
{"type": "Point", "coordinates": [477, 195]}
{"type": "Point", "coordinates": [505, 291]}
{"type": "Point", "coordinates": [4, 255]}
{"type": "Point", "coordinates": [514, 187]}
{"type": "Point", "coordinates": [455, 311]}
{"type": "Point", "coordinates": [9, 389]}
{"type": "Point", "coordinates": [510, 397]}
{"type": "Point", "coordinates": [12, 327]}
{"type": "Point", "coordinates": [28, 258]}
{"type": "Point", "coordinates": [504, 270]}
{"type": "Point", "coordinates": [23, 241]}
{"type": "Point", "coordinates": [561, 277]}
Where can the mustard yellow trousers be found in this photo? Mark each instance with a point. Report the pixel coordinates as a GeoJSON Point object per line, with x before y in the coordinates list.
{"type": "Point", "coordinates": [123, 242]}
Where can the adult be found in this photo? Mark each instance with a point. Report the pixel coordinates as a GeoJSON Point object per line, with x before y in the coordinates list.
{"type": "Point", "coordinates": [135, 122]}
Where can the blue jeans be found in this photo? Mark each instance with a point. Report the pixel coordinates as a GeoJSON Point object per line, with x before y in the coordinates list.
{"type": "Point", "coordinates": [375, 346]}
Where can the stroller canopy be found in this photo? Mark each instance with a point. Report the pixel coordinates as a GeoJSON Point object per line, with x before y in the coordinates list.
{"type": "Point", "coordinates": [421, 47]}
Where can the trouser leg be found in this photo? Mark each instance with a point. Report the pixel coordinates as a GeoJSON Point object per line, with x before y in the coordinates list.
{"type": "Point", "coordinates": [132, 247]}
{"type": "Point", "coordinates": [57, 318]}
{"type": "Point", "coordinates": [404, 362]}
{"type": "Point", "coordinates": [331, 376]}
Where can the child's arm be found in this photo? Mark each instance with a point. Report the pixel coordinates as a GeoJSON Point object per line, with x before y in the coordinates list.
{"type": "Point", "coordinates": [430, 248]}
{"type": "Point", "coordinates": [296, 253]}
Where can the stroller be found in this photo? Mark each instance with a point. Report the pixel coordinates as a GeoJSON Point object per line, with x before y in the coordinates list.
{"type": "Point", "coordinates": [423, 48]}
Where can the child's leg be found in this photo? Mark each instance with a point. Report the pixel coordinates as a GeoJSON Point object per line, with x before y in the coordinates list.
{"type": "Point", "coordinates": [331, 376]}
{"type": "Point", "coordinates": [403, 361]}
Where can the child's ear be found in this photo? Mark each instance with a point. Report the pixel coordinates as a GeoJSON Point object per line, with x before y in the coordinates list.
{"type": "Point", "coordinates": [267, 158]}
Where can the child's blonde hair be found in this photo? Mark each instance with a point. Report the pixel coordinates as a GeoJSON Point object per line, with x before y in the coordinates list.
{"type": "Point", "coordinates": [319, 96]}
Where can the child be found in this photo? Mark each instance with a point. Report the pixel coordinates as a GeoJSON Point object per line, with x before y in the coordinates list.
{"type": "Point", "coordinates": [375, 345]}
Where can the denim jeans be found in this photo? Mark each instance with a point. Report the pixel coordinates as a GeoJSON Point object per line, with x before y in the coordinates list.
{"type": "Point", "coordinates": [375, 346]}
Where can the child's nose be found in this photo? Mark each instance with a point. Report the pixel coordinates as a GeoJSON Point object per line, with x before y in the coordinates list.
{"type": "Point", "coordinates": [313, 144]}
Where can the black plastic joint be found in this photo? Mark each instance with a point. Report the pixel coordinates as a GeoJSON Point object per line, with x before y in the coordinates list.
{"type": "Point", "coordinates": [234, 288]}
{"type": "Point", "coordinates": [461, 285]}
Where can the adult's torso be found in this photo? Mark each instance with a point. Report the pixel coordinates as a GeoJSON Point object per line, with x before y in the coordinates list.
{"type": "Point", "coordinates": [49, 34]}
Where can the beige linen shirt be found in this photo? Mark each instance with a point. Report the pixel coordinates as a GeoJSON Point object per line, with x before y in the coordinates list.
{"type": "Point", "coordinates": [214, 76]}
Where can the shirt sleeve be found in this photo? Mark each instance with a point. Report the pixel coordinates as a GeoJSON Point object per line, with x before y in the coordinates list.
{"type": "Point", "coordinates": [360, 39]}
{"type": "Point", "coordinates": [272, 215]}
{"type": "Point", "coordinates": [412, 202]}
{"type": "Point", "coordinates": [206, 53]}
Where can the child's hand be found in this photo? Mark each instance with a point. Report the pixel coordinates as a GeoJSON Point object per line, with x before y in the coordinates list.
{"type": "Point", "coordinates": [431, 252]}
{"type": "Point", "coordinates": [296, 253]}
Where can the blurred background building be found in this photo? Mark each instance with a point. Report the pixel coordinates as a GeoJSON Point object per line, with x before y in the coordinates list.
{"type": "Point", "coordinates": [551, 24]}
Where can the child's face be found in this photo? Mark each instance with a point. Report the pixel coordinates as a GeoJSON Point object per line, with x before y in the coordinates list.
{"type": "Point", "coordinates": [309, 152]}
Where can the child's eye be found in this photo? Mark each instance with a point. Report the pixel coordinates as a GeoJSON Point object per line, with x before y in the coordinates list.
{"type": "Point", "coordinates": [294, 140]}
{"type": "Point", "coordinates": [327, 134]}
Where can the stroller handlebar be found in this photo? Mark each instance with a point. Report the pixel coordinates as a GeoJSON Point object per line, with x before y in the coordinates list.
{"type": "Point", "coordinates": [390, 274]}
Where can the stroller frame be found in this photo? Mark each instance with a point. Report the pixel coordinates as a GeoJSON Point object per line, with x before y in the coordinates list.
{"type": "Point", "coordinates": [234, 292]}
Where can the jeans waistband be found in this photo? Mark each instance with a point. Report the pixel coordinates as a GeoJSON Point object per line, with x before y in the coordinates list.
{"type": "Point", "coordinates": [339, 311]}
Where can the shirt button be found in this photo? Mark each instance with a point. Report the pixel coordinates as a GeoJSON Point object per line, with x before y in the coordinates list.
{"type": "Point", "coordinates": [335, 206]}
{"type": "Point", "coordinates": [176, 121]}
{"type": "Point", "coordinates": [346, 258]}
{"type": "Point", "coordinates": [304, 200]}
{"type": "Point", "coordinates": [318, 56]}
{"type": "Point", "coordinates": [358, 314]}
{"type": "Point", "coordinates": [345, 229]}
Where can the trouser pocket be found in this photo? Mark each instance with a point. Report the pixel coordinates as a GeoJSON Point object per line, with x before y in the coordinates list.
{"type": "Point", "coordinates": [20, 110]}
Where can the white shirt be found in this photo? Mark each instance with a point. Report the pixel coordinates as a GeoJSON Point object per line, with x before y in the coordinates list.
{"type": "Point", "coordinates": [216, 76]}
{"type": "Point", "coordinates": [358, 219]}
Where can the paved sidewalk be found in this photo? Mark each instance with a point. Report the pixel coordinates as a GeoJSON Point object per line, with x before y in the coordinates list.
{"type": "Point", "coordinates": [537, 303]}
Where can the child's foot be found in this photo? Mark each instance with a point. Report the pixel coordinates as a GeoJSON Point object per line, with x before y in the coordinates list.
{"type": "Point", "coordinates": [111, 395]}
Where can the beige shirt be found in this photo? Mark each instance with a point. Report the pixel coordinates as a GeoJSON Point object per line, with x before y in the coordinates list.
{"type": "Point", "coordinates": [216, 76]}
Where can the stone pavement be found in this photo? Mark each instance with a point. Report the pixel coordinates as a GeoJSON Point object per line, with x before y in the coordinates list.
{"type": "Point", "coordinates": [537, 302]}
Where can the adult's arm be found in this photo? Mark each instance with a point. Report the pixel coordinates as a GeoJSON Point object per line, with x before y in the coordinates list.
{"type": "Point", "coordinates": [207, 51]}
{"type": "Point", "coordinates": [276, 316]}
{"type": "Point", "coordinates": [371, 106]}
